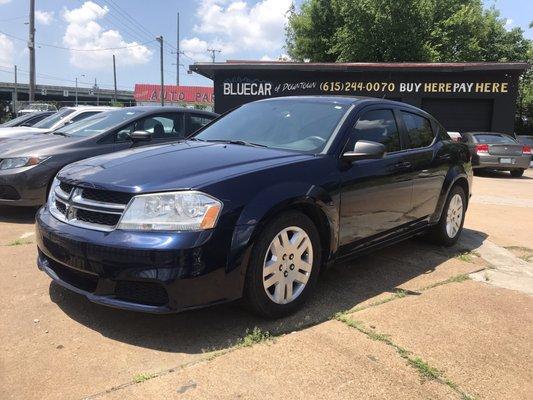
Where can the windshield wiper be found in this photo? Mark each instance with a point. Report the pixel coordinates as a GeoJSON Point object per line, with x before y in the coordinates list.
{"type": "Point", "coordinates": [241, 142]}
{"type": "Point", "coordinates": [60, 133]}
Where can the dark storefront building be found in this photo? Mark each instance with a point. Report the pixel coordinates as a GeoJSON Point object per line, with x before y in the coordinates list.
{"type": "Point", "coordinates": [462, 96]}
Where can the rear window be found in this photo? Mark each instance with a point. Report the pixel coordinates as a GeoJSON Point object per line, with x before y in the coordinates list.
{"type": "Point", "coordinates": [526, 140]}
{"type": "Point", "coordinates": [487, 138]}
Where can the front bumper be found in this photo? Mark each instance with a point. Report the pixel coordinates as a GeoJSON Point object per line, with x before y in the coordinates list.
{"type": "Point", "coordinates": [25, 186]}
{"type": "Point", "coordinates": [156, 272]}
{"type": "Point", "coordinates": [493, 162]}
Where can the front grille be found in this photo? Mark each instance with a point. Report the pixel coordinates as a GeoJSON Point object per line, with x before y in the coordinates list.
{"type": "Point", "coordinates": [61, 207]}
{"type": "Point", "coordinates": [149, 293]}
{"type": "Point", "coordinates": [82, 280]}
{"type": "Point", "coordinates": [8, 193]}
{"type": "Point", "coordinates": [66, 187]}
{"type": "Point", "coordinates": [95, 217]}
{"type": "Point", "coordinates": [89, 208]}
{"type": "Point", "coordinates": [106, 196]}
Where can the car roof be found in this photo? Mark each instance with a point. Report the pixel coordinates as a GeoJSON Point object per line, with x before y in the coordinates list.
{"type": "Point", "coordinates": [153, 109]}
{"type": "Point", "coordinates": [346, 100]}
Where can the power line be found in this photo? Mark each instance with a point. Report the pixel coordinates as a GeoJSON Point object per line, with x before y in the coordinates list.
{"type": "Point", "coordinates": [56, 78]}
{"type": "Point", "coordinates": [73, 49]}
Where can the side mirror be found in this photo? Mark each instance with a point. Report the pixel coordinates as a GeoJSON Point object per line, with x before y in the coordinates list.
{"type": "Point", "coordinates": [140, 136]}
{"type": "Point", "coordinates": [365, 150]}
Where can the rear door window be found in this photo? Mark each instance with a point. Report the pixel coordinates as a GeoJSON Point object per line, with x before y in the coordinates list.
{"type": "Point", "coordinates": [377, 126]}
{"type": "Point", "coordinates": [418, 130]}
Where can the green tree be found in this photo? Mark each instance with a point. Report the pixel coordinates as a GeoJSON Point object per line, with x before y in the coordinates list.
{"type": "Point", "coordinates": [383, 30]}
{"type": "Point", "coordinates": [407, 30]}
{"type": "Point", "coordinates": [310, 32]}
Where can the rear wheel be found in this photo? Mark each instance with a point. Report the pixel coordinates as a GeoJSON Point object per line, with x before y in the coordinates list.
{"type": "Point", "coordinates": [283, 266]}
{"type": "Point", "coordinates": [447, 231]}
{"type": "Point", "coordinates": [517, 173]}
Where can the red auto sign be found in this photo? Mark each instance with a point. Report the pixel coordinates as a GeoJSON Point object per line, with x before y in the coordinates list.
{"type": "Point", "coordinates": [187, 94]}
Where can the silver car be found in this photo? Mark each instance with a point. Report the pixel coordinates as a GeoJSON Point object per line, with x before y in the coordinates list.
{"type": "Point", "coordinates": [498, 151]}
{"type": "Point", "coordinates": [526, 140]}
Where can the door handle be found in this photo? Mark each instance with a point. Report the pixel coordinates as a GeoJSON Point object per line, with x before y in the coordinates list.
{"type": "Point", "coordinates": [402, 165]}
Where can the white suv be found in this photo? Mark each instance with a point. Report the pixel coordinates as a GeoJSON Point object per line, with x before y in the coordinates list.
{"type": "Point", "coordinates": [65, 115]}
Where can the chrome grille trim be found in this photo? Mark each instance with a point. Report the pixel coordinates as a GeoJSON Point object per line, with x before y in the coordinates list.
{"type": "Point", "coordinates": [74, 201]}
{"type": "Point", "coordinates": [78, 198]}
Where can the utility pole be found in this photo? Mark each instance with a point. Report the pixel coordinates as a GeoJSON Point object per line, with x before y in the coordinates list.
{"type": "Point", "coordinates": [82, 75]}
{"type": "Point", "coordinates": [115, 77]}
{"type": "Point", "coordinates": [31, 48]}
{"type": "Point", "coordinates": [97, 91]}
{"type": "Point", "coordinates": [160, 40]}
{"type": "Point", "coordinates": [15, 95]}
{"type": "Point", "coordinates": [178, 53]}
{"type": "Point", "coordinates": [213, 52]}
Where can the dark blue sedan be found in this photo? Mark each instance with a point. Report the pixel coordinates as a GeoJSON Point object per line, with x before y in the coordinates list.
{"type": "Point", "coordinates": [253, 205]}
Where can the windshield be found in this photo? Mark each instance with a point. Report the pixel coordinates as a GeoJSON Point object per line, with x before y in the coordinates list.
{"type": "Point", "coordinates": [16, 121]}
{"type": "Point", "coordinates": [285, 124]}
{"type": "Point", "coordinates": [494, 139]}
{"type": "Point", "coordinates": [50, 121]}
{"type": "Point", "coordinates": [98, 123]}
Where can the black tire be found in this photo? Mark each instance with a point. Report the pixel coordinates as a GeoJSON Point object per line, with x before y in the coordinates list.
{"type": "Point", "coordinates": [438, 234]}
{"type": "Point", "coordinates": [517, 173]}
{"type": "Point", "coordinates": [255, 295]}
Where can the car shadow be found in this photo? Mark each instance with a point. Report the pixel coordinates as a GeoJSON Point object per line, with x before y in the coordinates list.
{"type": "Point", "coordinates": [18, 215]}
{"type": "Point", "coordinates": [340, 288]}
{"type": "Point", "coordinates": [495, 174]}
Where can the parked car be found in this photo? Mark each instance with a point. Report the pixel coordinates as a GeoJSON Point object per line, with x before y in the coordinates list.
{"type": "Point", "coordinates": [34, 107]}
{"type": "Point", "coordinates": [498, 151]}
{"type": "Point", "coordinates": [528, 141]}
{"type": "Point", "coordinates": [65, 116]}
{"type": "Point", "coordinates": [29, 163]}
{"type": "Point", "coordinates": [455, 136]}
{"type": "Point", "coordinates": [253, 205]}
{"type": "Point", "coordinates": [27, 119]}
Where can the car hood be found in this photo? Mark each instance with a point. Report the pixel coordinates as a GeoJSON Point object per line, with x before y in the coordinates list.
{"type": "Point", "coordinates": [182, 165]}
{"type": "Point", "coordinates": [19, 130]}
{"type": "Point", "coordinates": [34, 144]}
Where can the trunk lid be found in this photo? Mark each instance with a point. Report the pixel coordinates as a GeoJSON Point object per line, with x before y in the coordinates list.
{"type": "Point", "coordinates": [505, 149]}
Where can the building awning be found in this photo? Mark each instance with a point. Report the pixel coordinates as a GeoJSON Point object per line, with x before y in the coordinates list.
{"type": "Point", "coordinates": [209, 69]}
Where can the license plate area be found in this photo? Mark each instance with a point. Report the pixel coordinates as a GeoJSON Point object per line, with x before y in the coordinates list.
{"type": "Point", "coordinates": [507, 160]}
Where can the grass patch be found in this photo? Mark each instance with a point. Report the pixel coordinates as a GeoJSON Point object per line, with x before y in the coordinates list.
{"type": "Point", "coordinates": [453, 279]}
{"type": "Point", "coordinates": [425, 370]}
{"type": "Point", "coordinates": [466, 256]}
{"type": "Point", "coordinates": [19, 242]}
{"type": "Point", "coordinates": [254, 336]}
{"type": "Point", "coordinates": [399, 294]}
{"type": "Point", "coordinates": [143, 377]}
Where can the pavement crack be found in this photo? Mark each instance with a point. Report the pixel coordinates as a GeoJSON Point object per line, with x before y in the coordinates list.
{"type": "Point", "coordinates": [425, 370]}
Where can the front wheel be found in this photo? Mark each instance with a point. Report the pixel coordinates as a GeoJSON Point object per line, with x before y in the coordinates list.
{"type": "Point", "coordinates": [283, 266]}
{"type": "Point", "coordinates": [447, 231]}
{"type": "Point", "coordinates": [517, 173]}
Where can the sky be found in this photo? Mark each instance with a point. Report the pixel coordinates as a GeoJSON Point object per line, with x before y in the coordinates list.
{"type": "Point", "coordinates": [70, 36]}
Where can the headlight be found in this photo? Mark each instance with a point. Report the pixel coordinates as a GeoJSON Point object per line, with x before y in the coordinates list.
{"type": "Point", "coordinates": [52, 195]}
{"type": "Point", "coordinates": [18, 162]}
{"type": "Point", "coordinates": [173, 211]}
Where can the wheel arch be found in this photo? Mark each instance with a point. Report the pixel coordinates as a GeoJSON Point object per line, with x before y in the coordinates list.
{"type": "Point", "coordinates": [456, 176]}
